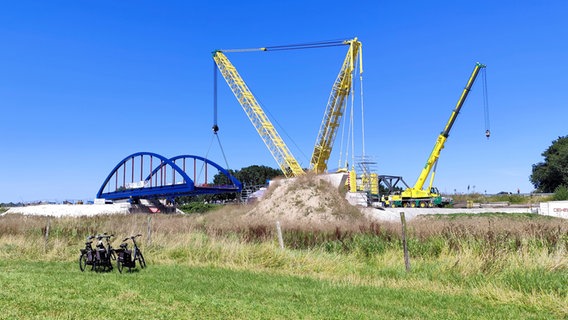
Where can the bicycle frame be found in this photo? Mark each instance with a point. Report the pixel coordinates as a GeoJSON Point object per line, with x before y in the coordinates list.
{"type": "Point", "coordinates": [104, 252]}
{"type": "Point", "coordinates": [127, 258]}
{"type": "Point", "coordinates": [87, 256]}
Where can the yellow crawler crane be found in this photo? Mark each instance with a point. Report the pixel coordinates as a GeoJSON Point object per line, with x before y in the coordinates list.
{"type": "Point", "coordinates": [336, 106]}
{"type": "Point", "coordinates": [332, 116]}
{"type": "Point", "coordinates": [288, 164]}
{"type": "Point", "coordinates": [416, 196]}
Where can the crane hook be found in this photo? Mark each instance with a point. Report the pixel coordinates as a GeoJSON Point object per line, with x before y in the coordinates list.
{"type": "Point", "coordinates": [487, 133]}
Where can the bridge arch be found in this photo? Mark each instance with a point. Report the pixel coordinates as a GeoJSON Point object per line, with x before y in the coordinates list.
{"type": "Point", "coordinates": [150, 175]}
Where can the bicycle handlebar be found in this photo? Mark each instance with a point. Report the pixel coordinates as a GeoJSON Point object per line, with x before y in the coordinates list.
{"type": "Point", "coordinates": [132, 237]}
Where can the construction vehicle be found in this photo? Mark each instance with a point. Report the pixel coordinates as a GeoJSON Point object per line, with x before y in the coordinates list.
{"type": "Point", "coordinates": [335, 107]}
{"type": "Point", "coordinates": [417, 196]}
{"type": "Point", "coordinates": [342, 88]}
{"type": "Point", "coordinates": [287, 162]}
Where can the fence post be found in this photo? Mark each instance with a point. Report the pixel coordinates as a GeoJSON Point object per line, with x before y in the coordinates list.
{"type": "Point", "coordinates": [404, 243]}
{"type": "Point", "coordinates": [149, 238]}
{"type": "Point", "coordinates": [279, 232]}
{"type": "Point", "coordinates": [47, 234]}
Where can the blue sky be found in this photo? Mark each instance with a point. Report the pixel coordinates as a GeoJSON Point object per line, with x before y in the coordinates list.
{"type": "Point", "coordinates": [84, 84]}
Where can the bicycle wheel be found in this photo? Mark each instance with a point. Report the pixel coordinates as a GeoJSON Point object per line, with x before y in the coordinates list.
{"type": "Point", "coordinates": [141, 260]}
{"type": "Point", "coordinates": [83, 261]}
{"type": "Point", "coordinates": [119, 265]}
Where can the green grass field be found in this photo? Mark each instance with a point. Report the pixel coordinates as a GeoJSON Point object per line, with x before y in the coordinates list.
{"type": "Point", "coordinates": [463, 267]}
{"type": "Point", "coordinates": [58, 290]}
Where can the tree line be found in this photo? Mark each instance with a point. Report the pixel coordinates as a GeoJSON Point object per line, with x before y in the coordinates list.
{"type": "Point", "coordinates": [551, 175]}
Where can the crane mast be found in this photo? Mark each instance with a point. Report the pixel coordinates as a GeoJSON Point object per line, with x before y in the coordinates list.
{"type": "Point", "coordinates": [435, 154]}
{"type": "Point", "coordinates": [415, 196]}
{"type": "Point", "coordinates": [288, 164]}
{"type": "Point", "coordinates": [335, 107]}
{"type": "Point", "coordinates": [342, 88]}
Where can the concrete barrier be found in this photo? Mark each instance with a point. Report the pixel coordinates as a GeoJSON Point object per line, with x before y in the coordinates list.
{"type": "Point", "coordinates": [557, 209]}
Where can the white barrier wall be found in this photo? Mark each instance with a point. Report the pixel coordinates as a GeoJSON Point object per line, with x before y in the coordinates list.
{"type": "Point", "coordinates": [554, 208]}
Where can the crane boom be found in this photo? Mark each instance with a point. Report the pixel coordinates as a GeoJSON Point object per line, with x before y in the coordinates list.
{"type": "Point", "coordinates": [435, 154]}
{"type": "Point", "coordinates": [288, 164]}
{"type": "Point", "coordinates": [335, 107]}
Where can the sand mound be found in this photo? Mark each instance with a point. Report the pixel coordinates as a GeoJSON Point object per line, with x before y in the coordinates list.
{"type": "Point", "coordinates": [309, 198]}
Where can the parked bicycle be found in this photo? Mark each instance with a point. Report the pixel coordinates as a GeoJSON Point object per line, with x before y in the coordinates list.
{"type": "Point", "coordinates": [127, 258]}
{"type": "Point", "coordinates": [104, 253]}
{"type": "Point", "coordinates": [88, 255]}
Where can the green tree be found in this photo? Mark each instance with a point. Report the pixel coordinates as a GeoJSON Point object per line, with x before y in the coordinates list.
{"type": "Point", "coordinates": [560, 193]}
{"type": "Point", "coordinates": [249, 176]}
{"type": "Point", "coordinates": [257, 175]}
{"type": "Point", "coordinates": [553, 172]}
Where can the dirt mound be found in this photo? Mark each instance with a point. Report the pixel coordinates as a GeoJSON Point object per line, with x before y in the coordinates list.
{"type": "Point", "coordinates": [309, 198]}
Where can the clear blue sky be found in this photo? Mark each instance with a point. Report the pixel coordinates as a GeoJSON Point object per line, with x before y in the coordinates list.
{"type": "Point", "coordinates": [83, 84]}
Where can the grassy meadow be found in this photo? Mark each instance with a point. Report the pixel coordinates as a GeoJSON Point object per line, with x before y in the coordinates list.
{"type": "Point", "coordinates": [219, 265]}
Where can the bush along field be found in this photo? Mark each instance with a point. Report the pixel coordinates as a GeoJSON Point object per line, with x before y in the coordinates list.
{"type": "Point", "coordinates": [219, 264]}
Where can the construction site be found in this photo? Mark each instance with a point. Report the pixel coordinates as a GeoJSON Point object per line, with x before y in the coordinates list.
{"type": "Point", "coordinates": [364, 184]}
{"type": "Point", "coordinates": [148, 182]}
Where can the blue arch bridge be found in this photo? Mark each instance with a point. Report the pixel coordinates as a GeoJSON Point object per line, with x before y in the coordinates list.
{"type": "Point", "coordinates": [146, 175]}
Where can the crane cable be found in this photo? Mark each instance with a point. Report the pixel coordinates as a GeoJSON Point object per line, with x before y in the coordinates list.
{"type": "Point", "coordinates": [282, 129]}
{"type": "Point", "coordinates": [321, 44]}
{"type": "Point", "coordinates": [486, 104]}
{"type": "Point", "coordinates": [351, 129]}
{"type": "Point", "coordinates": [215, 126]}
{"type": "Point", "coordinates": [341, 146]}
{"type": "Point", "coordinates": [360, 64]}
{"type": "Point", "coordinates": [352, 123]}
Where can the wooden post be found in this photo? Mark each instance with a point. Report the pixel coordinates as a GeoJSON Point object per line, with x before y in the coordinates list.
{"type": "Point", "coordinates": [149, 238]}
{"type": "Point", "coordinates": [47, 234]}
{"type": "Point", "coordinates": [404, 244]}
{"type": "Point", "coordinates": [279, 231]}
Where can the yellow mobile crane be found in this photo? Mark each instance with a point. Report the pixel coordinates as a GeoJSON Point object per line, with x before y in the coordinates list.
{"type": "Point", "coordinates": [416, 196]}
{"type": "Point", "coordinates": [333, 113]}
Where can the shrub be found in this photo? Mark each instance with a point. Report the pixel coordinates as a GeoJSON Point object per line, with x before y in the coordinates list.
{"type": "Point", "coordinates": [560, 193]}
{"type": "Point", "coordinates": [197, 207]}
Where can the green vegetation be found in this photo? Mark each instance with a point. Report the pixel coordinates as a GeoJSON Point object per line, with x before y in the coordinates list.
{"type": "Point", "coordinates": [560, 193]}
{"type": "Point", "coordinates": [509, 198]}
{"type": "Point", "coordinates": [250, 176]}
{"type": "Point", "coordinates": [3, 209]}
{"type": "Point", "coordinates": [254, 175]}
{"type": "Point", "coordinates": [218, 265]}
{"type": "Point", "coordinates": [548, 175]}
{"type": "Point", "coordinates": [34, 290]}
{"type": "Point", "coordinates": [197, 207]}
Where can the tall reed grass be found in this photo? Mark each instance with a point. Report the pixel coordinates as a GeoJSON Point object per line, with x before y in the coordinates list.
{"type": "Point", "coordinates": [500, 257]}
